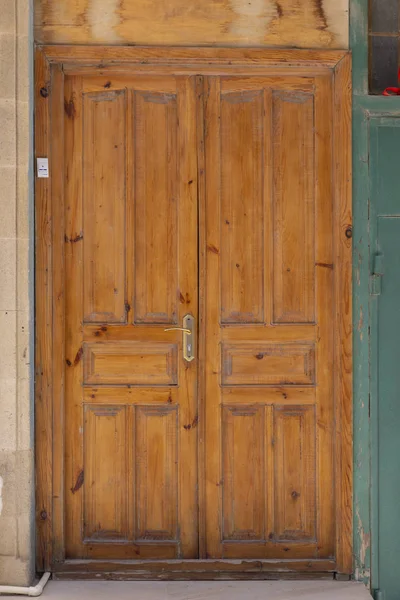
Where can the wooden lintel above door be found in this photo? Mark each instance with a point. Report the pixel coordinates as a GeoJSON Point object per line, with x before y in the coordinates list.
{"type": "Point", "coordinates": [213, 183]}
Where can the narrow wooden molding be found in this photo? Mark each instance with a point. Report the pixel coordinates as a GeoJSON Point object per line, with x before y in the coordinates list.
{"type": "Point", "coordinates": [343, 314]}
{"type": "Point", "coordinates": [201, 190]}
{"type": "Point", "coordinates": [43, 322]}
{"type": "Point", "coordinates": [148, 569]}
{"type": "Point", "coordinates": [98, 56]}
{"type": "Point", "coordinates": [56, 162]}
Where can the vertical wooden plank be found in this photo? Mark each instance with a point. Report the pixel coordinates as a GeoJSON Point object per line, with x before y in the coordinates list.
{"type": "Point", "coordinates": [363, 569]}
{"type": "Point", "coordinates": [213, 484]}
{"type": "Point", "coordinates": [104, 207]}
{"type": "Point", "coordinates": [202, 256]}
{"type": "Point", "coordinates": [74, 474]}
{"type": "Point", "coordinates": [343, 317]}
{"type": "Point", "coordinates": [58, 360]}
{"type": "Point", "coordinates": [324, 297]}
{"type": "Point", "coordinates": [187, 302]}
{"type": "Point", "coordinates": [359, 42]}
{"type": "Point", "coordinates": [43, 323]}
{"type": "Point", "coordinates": [243, 472]}
{"type": "Point", "coordinates": [242, 207]}
{"type": "Point", "coordinates": [293, 207]}
{"type": "Point", "coordinates": [106, 441]}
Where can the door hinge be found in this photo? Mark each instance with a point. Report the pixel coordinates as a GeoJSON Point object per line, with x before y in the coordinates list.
{"type": "Point", "coordinates": [376, 276]}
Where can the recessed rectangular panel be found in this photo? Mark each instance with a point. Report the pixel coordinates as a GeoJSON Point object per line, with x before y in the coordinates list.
{"type": "Point", "coordinates": [136, 363]}
{"type": "Point", "coordinates": [268, 364]}
{"type": "Point", "coordinates": [293, 207]}
{"type": "Point", "coordinates": [242, 254]}
{"type": "Point", "coordinates": [105, 476]}
{"type": "Point", "coordinates": [156, 208]}
{"type": "Point", "coordinates": [243, 472]}
{"type": "Point", "coordinates": [104, 207]}
{"type": "Point", "coordinates": [295, 473]}
{"type": "Point", "coordinates": [384, 141]}
{"type": "Point", "coordinates": [156, 473]}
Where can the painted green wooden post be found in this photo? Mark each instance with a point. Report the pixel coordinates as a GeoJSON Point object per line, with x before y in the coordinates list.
{"type": "Point", "coordinates": [367, 115]}
{"type": "Point", "coordinates": [362, 535]}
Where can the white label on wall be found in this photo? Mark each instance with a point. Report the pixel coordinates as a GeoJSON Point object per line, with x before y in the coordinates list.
{"type": "Point", "coordinates": [42, 167]}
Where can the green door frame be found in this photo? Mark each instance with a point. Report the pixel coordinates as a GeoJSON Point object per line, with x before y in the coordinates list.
{"type": "Point", "coordinates": [367, 113]}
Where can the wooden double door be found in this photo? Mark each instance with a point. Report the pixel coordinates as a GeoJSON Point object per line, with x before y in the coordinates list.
{"type": "Point", "coordinates": [209, 196]}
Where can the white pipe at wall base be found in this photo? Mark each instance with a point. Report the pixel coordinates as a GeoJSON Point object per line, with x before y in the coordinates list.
{"type": "Point", "coordinates": [33, 590]}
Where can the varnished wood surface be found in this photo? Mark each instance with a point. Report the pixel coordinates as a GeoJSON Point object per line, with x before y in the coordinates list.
{"type": "Point", "coordinates": [343, 314]}
{"type": "Point", "coordinates": [43, 324]}
{"type": "Point", "coordinates": [270, 317]}
{"type": "Point", "coordinates": [130, 467]}
{"type": "Point", "coordinates": [204, 567]}
{"type": "Point", "coordinates": [310, 23]}
{"type": "Point", "coordinates": [185, 575]}
{"type": "Point", "coordinates": [101, 56]}
{"type": "Point", "coordinates": [269, 260]}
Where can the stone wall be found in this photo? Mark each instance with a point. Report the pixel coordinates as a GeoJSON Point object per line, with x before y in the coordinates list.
{"type": "Point", "coordinates": [16, 256]}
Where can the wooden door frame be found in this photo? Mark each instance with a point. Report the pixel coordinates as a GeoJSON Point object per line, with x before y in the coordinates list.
{"type": "Point", "coordinates": [51, 62]}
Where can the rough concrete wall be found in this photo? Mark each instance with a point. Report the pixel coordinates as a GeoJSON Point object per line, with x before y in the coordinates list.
{"type": "Point", "coordinates": [16, 415]}
{"type": "Point", "coordinates": [298, 23]}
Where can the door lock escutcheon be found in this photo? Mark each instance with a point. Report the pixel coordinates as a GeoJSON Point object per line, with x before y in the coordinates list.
{"type": "Point", "coordinates": [188, 336]}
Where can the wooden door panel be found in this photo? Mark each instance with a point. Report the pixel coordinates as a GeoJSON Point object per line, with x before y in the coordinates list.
{"type": "Point", "coordinates": [268, 364]}
{"type": "Point", "coordinates": [104, 172]}
{"type": "Point", "coordinates": [293, 207]}
{"type": "Point", "coordinates": [295, 469]}
{"type": "Point", "coordinates": [243, 472]}
{"type": "Point", "coordinates": [155, 261]}
{"type": "Point", "coordinates": [156, 451]}
{"type": "Point", "coordinates": [133, 363]}
{"type": "Point", "coordinates": [130, 209]}
{"type": "Point", "coordinates": [242, 241]}
{"type": "Point", "coordinates": [132, 395]}
{"type": "Point", "coordinates": [106, 443]}
{"type": "Point", "coordinates": [269, 318]}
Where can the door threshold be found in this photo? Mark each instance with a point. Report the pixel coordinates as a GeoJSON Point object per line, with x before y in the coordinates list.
{"type": "Point", "coordinates": [194, 569]}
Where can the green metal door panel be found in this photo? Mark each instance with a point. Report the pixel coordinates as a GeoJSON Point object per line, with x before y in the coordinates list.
{"type": "Point", "coordinates": [388, 408]}
{"type": "Point", "coordinates": [385, 165]}
{"type": "Point", "coordinates": [384, 178]}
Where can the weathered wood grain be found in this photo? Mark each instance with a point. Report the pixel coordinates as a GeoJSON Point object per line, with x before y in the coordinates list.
{"type": "Point", "coordinates": [343, 317]}
{"type": "Point", "coordinates": [291, 23]}
{"type": "Point", "coordinates": [252, 428]}
{"type": "Point", "coordinates": [43, 323]}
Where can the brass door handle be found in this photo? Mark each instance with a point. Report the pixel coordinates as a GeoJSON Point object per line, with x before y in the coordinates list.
{"type": "Point", "coordinates": [188, 336]}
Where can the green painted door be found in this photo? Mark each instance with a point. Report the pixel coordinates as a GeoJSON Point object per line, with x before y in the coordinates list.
{"type": "Point", "coordinates": [385, 305]}
{"type": "Point", "coordinates": [389, 409]}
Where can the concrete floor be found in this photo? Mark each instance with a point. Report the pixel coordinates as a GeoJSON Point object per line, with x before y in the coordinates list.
{"type": "Point", "coordinates": [205, 590]}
